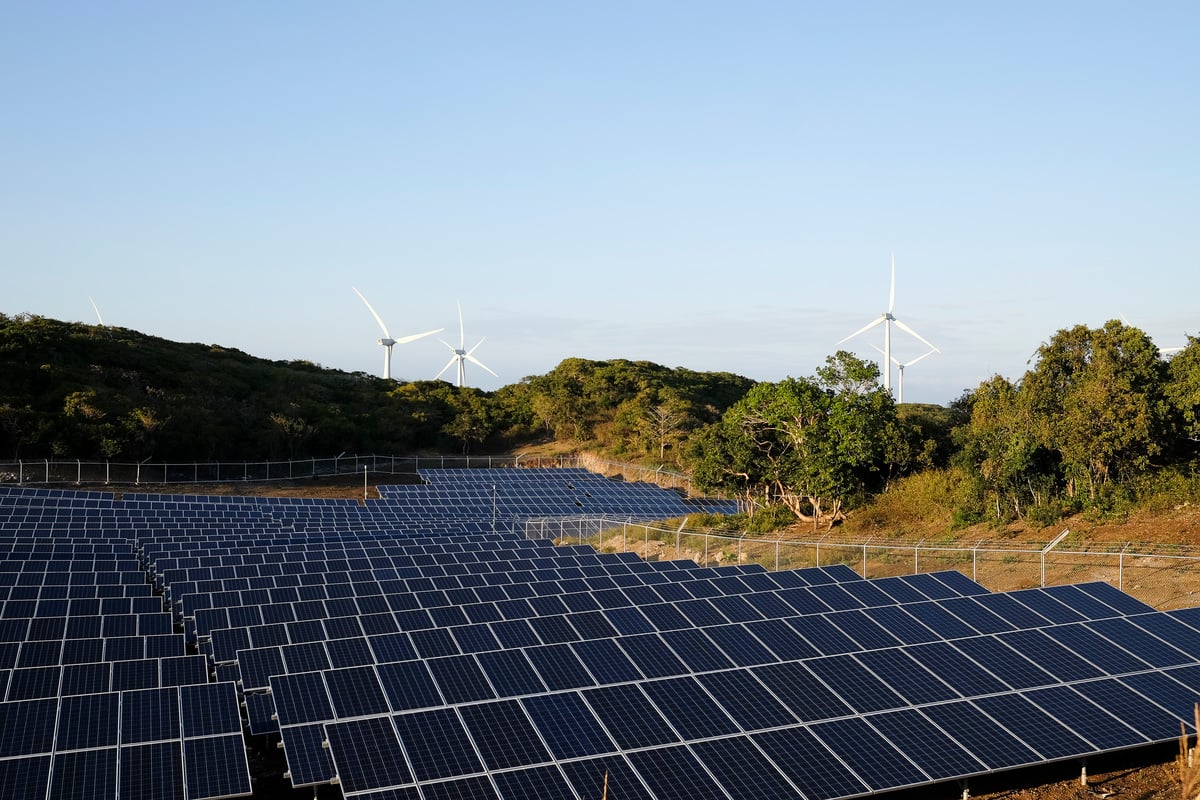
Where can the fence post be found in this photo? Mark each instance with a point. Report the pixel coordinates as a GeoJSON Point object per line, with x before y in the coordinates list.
{"type": "Point", "coordinates": [865, 558]}
{"type": "Point", "coordinates": [777, 555]}
{"type": "Point", "coordinates": [20, 471]}
{"type": "Point", "coordinates": [107, 466]}
{"type": "Point", "coordinates": [47, 470]}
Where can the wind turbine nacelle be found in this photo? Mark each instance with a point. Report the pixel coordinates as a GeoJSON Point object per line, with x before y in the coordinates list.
{"type": "Point", "coordinates": [387, 342]}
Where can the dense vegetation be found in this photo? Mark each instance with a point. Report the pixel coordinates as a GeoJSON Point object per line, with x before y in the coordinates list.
{"type": "Point", "coordinates": [1100, 421]}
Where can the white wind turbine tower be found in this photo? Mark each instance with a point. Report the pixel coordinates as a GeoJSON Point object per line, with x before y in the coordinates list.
{"type": "Point", "coordinates": [900, 367]}
{"type": "Point", "coordinates": [887, 319]}
{"type": "Point", "coordinates": [461, 354]}
{"type": "Point", "coordinates": [387, 341]}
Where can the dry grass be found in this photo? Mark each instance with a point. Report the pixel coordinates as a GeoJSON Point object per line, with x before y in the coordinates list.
{"type": "Point", "coordinates": [1189, 765]}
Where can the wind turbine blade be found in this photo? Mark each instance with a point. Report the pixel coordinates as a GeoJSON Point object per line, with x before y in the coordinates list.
{"type": "Point", "coordinates": [879, 350]}
{"type": "Point", "coordinates": [476, 347]}
{"type": "Point", "coordinates": [892, 295]}
{"type": "Point", "coordinates": [449, 364]}
{"type": "Point", "coordinates": [96, 308]}
{"type": "Point", "coordinates": [865, 328]}
{"type": "Point", "coordinates": [462, 337]}
{"type": "Point", "coordinates": [415, 336]}
{"type": "Point", "coordinates": [911, 332]}
{"type": "Point", "coordinates": [926, 354]}
{"type": "Point", "coordinates": [477, 362]}
{"type": "Point", "coordinates": [453, 349]}
{"type": "Point", "coordinates": [386, 335]}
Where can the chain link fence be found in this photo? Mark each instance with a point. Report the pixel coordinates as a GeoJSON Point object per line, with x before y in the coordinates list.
{"type": "Point", "coordinates": [1161, 575]}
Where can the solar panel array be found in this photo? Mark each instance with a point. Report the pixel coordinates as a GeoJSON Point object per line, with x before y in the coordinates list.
{"type": "Point", "coordinates": [406, 648]}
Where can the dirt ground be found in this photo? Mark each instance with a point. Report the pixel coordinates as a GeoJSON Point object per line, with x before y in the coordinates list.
{"type": "Point", "coordinates": [1146, 774]}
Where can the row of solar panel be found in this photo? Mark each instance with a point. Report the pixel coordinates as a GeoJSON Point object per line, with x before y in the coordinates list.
{"type": "Point", "coordinates": [29, 683]}
{"type": "Point", "coordinates": [95, 593]}
{"type": "Point", "coordinates": [566, 747]}
{"type": "Point", "coordinates": [94, 623]}
{"type": "Point", "coordinates": [168, 742]}
{"type": "Point", "coordinates": [425, 609]}
{"type": "Point", "coordinates": [713, 643]}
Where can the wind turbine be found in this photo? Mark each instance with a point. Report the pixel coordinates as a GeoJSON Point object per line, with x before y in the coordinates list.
{"type": "Point", "coordinates": [901, 366]}
{"type": "Point", "coordinates": [887, 319]}
{"type": "Point", "coordinates": [387, 341]}
{"type": "Point", "coordinates": [96, 308]}
{"type": "Point", "coordinates": [461, 354]}
{"type": "Point", "coordinates": [1162, 351]}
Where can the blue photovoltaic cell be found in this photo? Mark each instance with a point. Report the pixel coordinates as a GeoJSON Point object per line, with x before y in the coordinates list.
{"type": "Point", "coordinates": [870, 755]}
{"type": "Point", "coordinates": [558, 667]}
{"type": "Point", "coordinates": [391, 647]}
{"type": "Point", "coordinates": [183, 670]}
{"type": "Point", "coordinates": [510, 673]}
{"type": "Point", "coordinates": [24, 777]}
{"type": "Point", "coordinates": [301, 698]}
{"type": "Point", "coordinates": [141, 674]}
{"type": "Point", "coordinates": [652, 656]}
{"type": "Point", "coordinates": [689, 708]}
{"type": "Point", "coordinates": [1019, 615]}
{"type": "Point", "coordinates": [460, 679]}
{"type": "Point", "coordinates": [437, 744]}
{"type": "Point", "coordinates": [534, 783]}
{"type": "Point", "coordinates": [869, 634]}
{"type": "Point", "coordinates": [1081, 601]}
{"type": "Point", "coordinates": [742, 769]}
{"type": "Point", "coordinates": [901, 624]}
{"type": "Point", "coordinates": [1046, 606]}
{"type": "Point", "coordinates": [673, 773]}
{"type": "Point", "coordinates": [88, 721]}
{"type": "Point", "coordinates": [1089, 720]}
{"type": "Point", "coordinates": [1181, 636]}
{"type": "Point", "coordinates": [781, 639]}
{"type": "Point", "coordinates": [696, 650]}
{"type": "Point", "coordinates": [85, 775]}
{"type": "Point", "coordinates": [260, 708]}
{"type": "Point", "coordinates": [629, 716]}
{"type": "Point", "coordinates": [1139, 642]}
{"type": "Point", "coordinates": [607, 662]}
{"type": "Point", "coordinates": [308, 759]}
{"type": "Point", "coordinates": [741, 646]}
{"type": "Point", "coordinates": [933, 751]}
{"type": "Point", "coordinates": [800, 691]}
{"type": "Point", "coordinates": [256, 666]}
{"type": "Point", "coordinates": [1017, 671]}
{"type": "Point", "coordinates": [567, 725]}
{"type": "Point", "coordinates": [409, 685]}
{"type": "Point", "coordinates": [216, 766]}
{"type": "Point", "coordinates": [367, 754]}
{"type": "Point", "coordinates": [81, 679]}
{"type": "Point", "coordinates": [1173, 689]}
{"type": "Point", "coordinates": [503, 734]}
{"type": "Point", "coordinates": [1033, 726]}
{"type": "Point", "coordinates": [590, 778]}
{"type": "Point", "coordinates": [1096, 649]}
{"type": "Point", "coordinates": [1131, 708]}
{"type": "Point", "coordinates": [990, 743]}
{"type": "Point", "coordinates": [355, 692]}
{"type": "Point", "coordinates": [210, 709]}
{"type": "Point", "coordinates": [979, 617]}
{"type": "Point", "coordinates": [905, 676]}
{"type": "Point", "coordinates": [307, 657]}
{"type": "Point", "coordinates": [852, 681]}
{"type": "Point", "coordinates": [823, 635]}
{"type": "Point", "coordinates": [474, 788]}
{"type": "Point", "coordinates": [149, 715]}
{"type": "Point", "coordinates": [1050, 655]}
{"type": "Point", "coordinates": [961, 673]}
{"type": "Point", "coordinates": [746, 700]}
{"type": "Point", "coordinates": [941, 621]}
{"type": "Point", "coordinates": [152, 771]}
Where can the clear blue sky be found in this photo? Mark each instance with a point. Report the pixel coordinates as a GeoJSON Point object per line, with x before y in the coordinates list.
{"type": "Point", "coordinates": [709, 185]}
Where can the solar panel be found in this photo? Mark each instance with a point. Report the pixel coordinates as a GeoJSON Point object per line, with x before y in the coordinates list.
{"type": "Point", "coordinates": [216, 767]}
{"type": "Point", "coordinates": [673, 773]}
{"type": "Point", "coordinates": [85, 775]}
{"type": "Point", "coordinates": [629, 716]}
{"type": "Point", "coordinates": [152, 771]}
{"type": "Point", "coordinates": [89, 721]}
{"type": "Point", "coordinates": [309, 761]}
{"type": "Point", "coordinates": [209, 709]}
{"type": "Point", "coordinates": [503, 735]}
{"type": "Point", "coordinates": [437, 745]}
{"type": "Point", "coordinates": [367, 754]}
